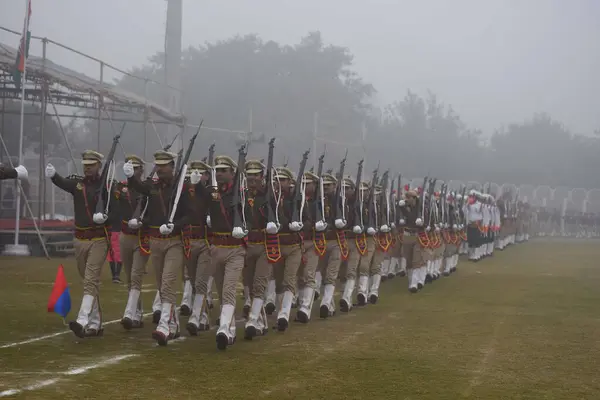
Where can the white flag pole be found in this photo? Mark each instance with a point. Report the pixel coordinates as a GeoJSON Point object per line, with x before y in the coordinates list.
{"type": "Point", "coordinates": [23, 78]}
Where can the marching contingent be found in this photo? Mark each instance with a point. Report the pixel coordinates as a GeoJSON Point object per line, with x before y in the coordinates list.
{"type": "Point", "coordinates": [291, 237]}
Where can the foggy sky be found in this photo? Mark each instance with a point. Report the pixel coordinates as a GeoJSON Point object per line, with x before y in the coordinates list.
{"type": "Point", "coordinates": [495, 61]}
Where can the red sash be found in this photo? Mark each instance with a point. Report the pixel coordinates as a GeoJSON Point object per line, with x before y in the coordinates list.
{"type": "Point", "coordinates": [361, 243]}
{"type": "Point", "coordinates": [383, 241]}
{"type": "Point", "coordinates": [344, 250]}
{"type": "Point", "coordinates": [272, 247]}
{"type": "Point", "coordinates": [144, 242]}
{"type": "Point", "coordinates": [423, 239]}
{"type": "Point", "coordinates": [320, 243]}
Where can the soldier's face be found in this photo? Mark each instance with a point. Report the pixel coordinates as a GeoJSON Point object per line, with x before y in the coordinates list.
{"type": "Point", "coordinates": [350, 192]}
{"type": "Point", "coordinates": [224, 175]}
{"type": "Point", "coordinates": [411, 201]}
{"type": "Point", "coordinates": [138, 171]}
{"type": "Point", "coordinates": [205, 176]}
{"type": "Point", "coordinates": [329, 188]}
{"type": "Point", "coordinates": [91, 170]}
{"type": "Point", "coordinates": [284, 185]}
{"type": "Point", "coordinates": [310, 188]}
{"type": "Point", "coordinates": [165, 171]}
{"type": "Point", "coordinates": [254, 180]}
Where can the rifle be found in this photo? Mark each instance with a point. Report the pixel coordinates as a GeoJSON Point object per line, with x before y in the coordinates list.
{"type": "Point", "coordinates": [319, 216]}
{"type": "Point", "coordinates": [180, 176]}
{"type": "Point", "coordinates": [102, 196]}
{"type": "Point", "coordinates": [296, 217]}
{"type": "Point", "coordinates": [358, 203]}
{"type": "Point", "coordinates": [239, 224]}
{"type": "Point", "coordinates": [371, 230]}
{"type": "Point", "coordinates": [422, 200]}
{"type": "Point", "coordinates": [271, 214]}
{"type": "Point", "coordinates": [340, 198]}
{"type": "Point", "coordinates": [385, 182]}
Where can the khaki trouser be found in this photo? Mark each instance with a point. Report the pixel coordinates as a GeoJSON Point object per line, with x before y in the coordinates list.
{"type": "Point", "coordinates": [90, 256]}
{"type": "Point", "coordinates": [413, 252]}
{"type": "Point", "coordinates": [365, 261]}
{"type": "Point", "coordinates": [349, 267]}
{"type": "Point", "coordinates": [286, 269]}
{"type": "Point", "coordinates": [308, 266]}
{"type": "Point", "coordinates": [198, 265]}
{"type": "Point", "coordinates": [227, 263]}
{"type": "Point", "coordinates": [167, 258]}
{"type": "Point", "coordinates": [450, 250]}
{"type": "Point", "coordinates": [257, 270]}
{"type": "Point", "coordinates": [439, 251]}
{"type": "Point", "coordinates": [329, 264]}
{"type": "Point", "coordinates": [378, 257]}
{"type": "Point", "coordinates": [133, 260]}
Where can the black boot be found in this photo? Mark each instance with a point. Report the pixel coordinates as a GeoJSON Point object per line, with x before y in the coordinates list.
{"type": "Point", "coordinates": [117, 273]}
{"type": "Point", "coordinates": [113, 267]}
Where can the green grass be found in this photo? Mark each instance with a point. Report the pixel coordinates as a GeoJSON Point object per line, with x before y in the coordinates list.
{"type": "Point", "coordinates": [521, 325]}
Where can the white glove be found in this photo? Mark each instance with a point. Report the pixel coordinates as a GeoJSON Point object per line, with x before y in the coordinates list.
{"type": "Point", "coordinates": [357, 229]}
{"type": "Point", "coordinates": [128, 169]}
{"type": "Point", "coordinates": [238, 233]}
{"type": "Point", "coordinates": [50, 171]}
{"type": "Point", "coordinates": [402, 221]}
{"type": "Point", "coordinates": [393, 225]}
{"type": "Point", "coordinates": [99, 218]}
{"type": "Point", "coordinates": [437, 228]}
{"type": "Point", "coordinates": [419, 222]}
{"type": "Point", "coordinates": [455, 227]}
{"type": "Point", "coordinates": [340, 223]}
{"type": "Point", "coordinates": [428, 228]}
{"type": "Point", "coordinates": [402, 203]}
{"type": "Point", "coordinates": [166, 229]}
{"type": "Point", "coordinates": [272, 228]}
{"type": "Point", "coordinates": [195, 177]}
{"type": "Point", "coordinates": [384, 228]}
{"type": "Point", "coordinates": [371, 231]}
{"type": "Point", "coordinates": [295, 226]}
{"type": "Point", "coordinates": [134, 224]}
{"type": "Point", "coordinates": [320, 226]}
{"type": "Point", "coordinates": [21, 172]}
{"type": "Point", "coordinates": [208, 221]}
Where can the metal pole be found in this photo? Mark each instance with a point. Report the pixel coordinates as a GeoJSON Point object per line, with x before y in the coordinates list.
{"type": "Point", "coordinates": [20, 187]}
{"type": "Point", "coordinates": [42, 155]}
{"type": "Point", "coordinates": [100, 101]}
{"type": "Point", "coordinates": [315, 133]}
{"type": "Point", "coordinates": [23, 81]}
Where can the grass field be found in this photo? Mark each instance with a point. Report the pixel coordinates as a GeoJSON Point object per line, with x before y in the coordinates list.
{"type": "Point", "coordinates": [522, 325]}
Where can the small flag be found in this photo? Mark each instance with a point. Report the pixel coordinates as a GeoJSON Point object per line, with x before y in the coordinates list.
{"type": "Point", "coordinates": [60, 298]}
{"type": "Point", "coordinates": [23, 52]}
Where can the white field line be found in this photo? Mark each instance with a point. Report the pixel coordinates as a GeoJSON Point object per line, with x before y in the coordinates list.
{"type": "Point", "coordinates": [80, 370]}
{"type": "Point", "coordinates": [69, 372]}
{"type": "Point", "coordinates": [37, 339]}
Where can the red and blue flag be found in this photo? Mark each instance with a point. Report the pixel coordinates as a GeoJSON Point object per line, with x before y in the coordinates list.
{"type": "Point", "coordinates": [60, 298]}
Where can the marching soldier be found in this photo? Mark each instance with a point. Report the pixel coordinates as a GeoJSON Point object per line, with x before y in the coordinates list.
{"type": "Point", "coordinates": [414, 240]}
{"type": "Point", "coordinates": [19, 172]}
{"type": "Point", "coordinates": [357, 245]}
{"type": "Point", "coordinates": [166, 246]}
{"type": "Point", "coordinates": [313, 251]}
{"type": "Point", "coordinates": [228, 248]}
{"type": "Point", "coordinates": [333, 244]}
{"type": "Point", "coordinates": [257, 269]}
{"type": "Point", "coordinates": [366, 243]}
{"type": "Point", "coordinates": [382, 245]}
{"type": "Point", "coordinates": [91, 239]}
{"type": "Point", "coordinates": [198, 258]}
{"type": "Point", "coordinates": [134, 244]}
{"type": "Point", "coordinates": [474, 218]}
{"type": "Point", "coordinates": [286, 249]}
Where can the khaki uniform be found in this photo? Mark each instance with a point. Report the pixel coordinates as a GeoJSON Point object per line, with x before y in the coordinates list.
{"type": "Point", "coordinates": [91, 246]}
{"type": "Point", "coordinates": [227, 252]}
{"type": "Point", "coordinates": [413, 246]}
{"type": "Point", "coordinates": [135, 250]}
{"type": "Point", "coordinates": [167, 252]}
